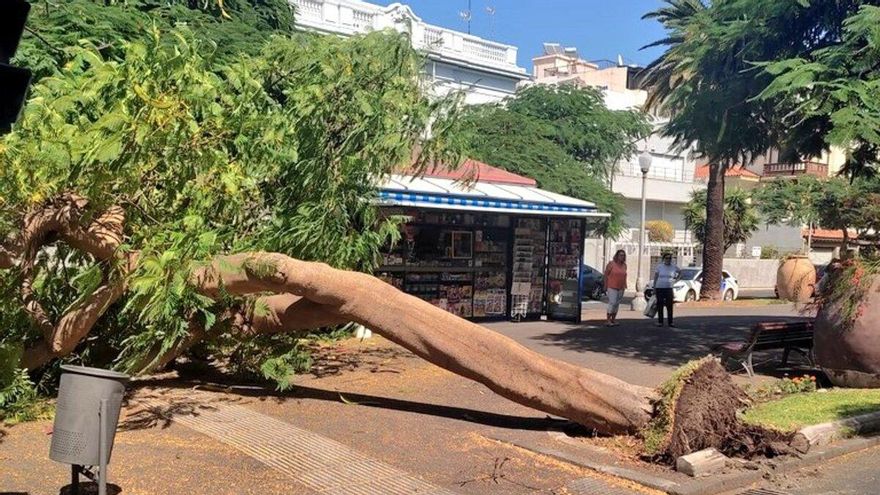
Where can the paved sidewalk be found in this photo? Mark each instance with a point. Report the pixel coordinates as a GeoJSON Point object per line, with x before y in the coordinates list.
{"type": "Point", "coordinates": [404, 417]}
{"type": "Point", "coordinates": [310, 460]}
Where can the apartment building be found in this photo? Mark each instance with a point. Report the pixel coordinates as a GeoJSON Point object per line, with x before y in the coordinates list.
{"type": "Point", "coordinates": [486, 71]}
{"type": "Point", "coordinates": [670, 181]}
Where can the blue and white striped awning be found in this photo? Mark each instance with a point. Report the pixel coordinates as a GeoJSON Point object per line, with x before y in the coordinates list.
{"type": "Point", "coordinates": [448, 194]}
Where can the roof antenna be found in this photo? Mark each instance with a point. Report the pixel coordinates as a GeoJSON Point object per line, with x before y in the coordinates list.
{"type": "Point", "coordinates": [466, 16]}
{"type": "Point", "coordinates": [490, 10]}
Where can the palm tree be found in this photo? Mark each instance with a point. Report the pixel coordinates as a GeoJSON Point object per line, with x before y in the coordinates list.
{"type": "Point", "coordinates": [741, 218]}
{"type": "Point", "coordinates": [705, 86]}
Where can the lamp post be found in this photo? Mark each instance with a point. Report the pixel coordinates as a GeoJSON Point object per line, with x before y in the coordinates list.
{"type": "Point", "coordinates": [638, 302]}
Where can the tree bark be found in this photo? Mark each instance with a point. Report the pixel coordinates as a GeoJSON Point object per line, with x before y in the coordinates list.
{"type": "Point", "coordinates": [590, 398]}
{"type": "Point", "coordinates": [713, 244]}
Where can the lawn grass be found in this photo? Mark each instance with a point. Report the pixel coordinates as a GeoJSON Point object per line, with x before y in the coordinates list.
{"type": "Point", "coordinates": [796, 411]}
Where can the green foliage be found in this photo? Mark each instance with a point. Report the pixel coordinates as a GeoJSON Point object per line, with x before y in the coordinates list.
{"type": "Point", "coordinates": [705, 83]}
{"type": "Point", "coordinates": [835, 203]}
{"type": "Point", "coordinates": [19, 399]}
{"type": "Point", "coordinates": [769, 253]}
{"type": "Point", "coordinates": [831, 88]}
{"type": "Point", "coordinates": [228, 28]}
{"type": "Point", "coordinates": [741, 218]}
{"type": "Point", "coordinates": [279, 148]}
{"type": "Point", "coordinates": [563, 137]}
{"type": "Point", "coordinates": [782, 387]}
{"type": "Point", "coordinates": [659, 230]}
{"type": "Point", "coordinates": [741, 76]}
{"type": "Point", "coordinates": [281, 367]}
{"type": "Point", "coordinates": [791, 201]}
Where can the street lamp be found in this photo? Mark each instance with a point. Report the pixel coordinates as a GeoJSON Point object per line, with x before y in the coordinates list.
{"type": "Point", "coordinates": [638, 302]}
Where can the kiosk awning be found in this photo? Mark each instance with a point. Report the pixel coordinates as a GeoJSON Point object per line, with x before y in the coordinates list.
{"type": "Point", "coordinates": [449, 194]}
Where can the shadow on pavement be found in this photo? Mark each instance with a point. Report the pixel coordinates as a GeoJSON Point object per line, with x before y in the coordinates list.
{"type": "Point", "coordinates": [640, 339]}
{"type": "Point", "coordinates": [470, 415]}
{"type": "Point", "coordinates": [90, 488]}
{"type": "Point", "coordinates": [151, 415]}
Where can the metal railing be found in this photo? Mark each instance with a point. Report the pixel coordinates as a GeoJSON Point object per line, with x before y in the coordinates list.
{"type": "Point", "coordinates": [800, 168]}
{"type": "Point", "coordinates": [674, 174]}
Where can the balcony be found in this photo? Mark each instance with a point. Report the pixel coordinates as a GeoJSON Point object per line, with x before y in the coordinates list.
{"type": "Point", "coordinates": [348, 17]}
{"type": "Point", "coordinates": [793, 169]}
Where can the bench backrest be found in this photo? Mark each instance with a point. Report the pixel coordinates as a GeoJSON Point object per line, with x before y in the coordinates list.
{"type": "Point", "coordinates": [775, 333]}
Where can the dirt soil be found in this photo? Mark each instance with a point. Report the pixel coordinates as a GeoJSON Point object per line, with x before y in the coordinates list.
{"type": "Point", "coordinates": [706, 416]}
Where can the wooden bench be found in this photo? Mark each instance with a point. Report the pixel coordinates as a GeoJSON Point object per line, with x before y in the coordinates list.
{"type": "Point", "coordinates": [788, 336]}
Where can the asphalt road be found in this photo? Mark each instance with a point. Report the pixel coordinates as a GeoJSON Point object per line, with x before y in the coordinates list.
{"type": "Point", "coordinates": [637, 351]}
{"type": "Point", "coordinates": [854, 474]}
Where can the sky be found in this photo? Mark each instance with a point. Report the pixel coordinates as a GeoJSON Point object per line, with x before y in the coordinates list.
{"type": "Point", "coordinates": [600, 29]}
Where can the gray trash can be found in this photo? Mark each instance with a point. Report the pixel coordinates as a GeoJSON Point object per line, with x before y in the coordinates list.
{"type": "Point", "coordinates": [77, 431]}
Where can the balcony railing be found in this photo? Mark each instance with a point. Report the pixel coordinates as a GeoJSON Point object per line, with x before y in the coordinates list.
{"type": "Point", "coordinates": [353, 16]}
{"type": "Point", "coordinates": [673, 173]}
{"type": "Point", "coordinates": [801, 168]}
{"type": "Point", "coordinates": [678, 237]}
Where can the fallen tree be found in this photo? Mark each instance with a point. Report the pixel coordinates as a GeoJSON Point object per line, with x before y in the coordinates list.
{"type": "Point", "coordinates": [697, 410]}
{"type": "Point", "coordinates": [128, 183]}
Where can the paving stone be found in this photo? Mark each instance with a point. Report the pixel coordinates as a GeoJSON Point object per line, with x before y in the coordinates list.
{"type": "Point", "coordinates": [701, 463]}
{"type": "Point", "coordinates": [313, 461]}
{"type": "Point", "coordinates": [595, 486]}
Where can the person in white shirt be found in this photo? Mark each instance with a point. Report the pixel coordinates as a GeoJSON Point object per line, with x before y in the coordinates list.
{"type": "Point", "coordinates": [664, 278]}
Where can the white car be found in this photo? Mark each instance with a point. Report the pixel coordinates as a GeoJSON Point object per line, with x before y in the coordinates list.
{"type": "Point", "coordinates": [687, 287]}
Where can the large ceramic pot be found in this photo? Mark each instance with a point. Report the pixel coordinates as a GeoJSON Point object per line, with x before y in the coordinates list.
{"type": "Point", "coordinates": [796, 279]}
{"type": "Point", "coordinates": [849, 351]}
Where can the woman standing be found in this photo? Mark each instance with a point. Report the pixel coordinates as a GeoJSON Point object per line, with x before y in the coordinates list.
{"type": "Point", "coordinates": [615, 285]}
{"type": "Point", "coordinates": [664, 279]}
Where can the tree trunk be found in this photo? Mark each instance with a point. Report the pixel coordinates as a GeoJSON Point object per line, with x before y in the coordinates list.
{"type": "Point", "coordinates": [713, 243]}
{"type": "Point", "coordinates": [590, 398]}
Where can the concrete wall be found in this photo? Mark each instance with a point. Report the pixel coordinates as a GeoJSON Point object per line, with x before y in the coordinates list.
{"type": "Point", "coordinates": [478, 86]}
{"type": "Point", "coordinates": [783, 237]}
{"type": "Point", "coordinates": [752, 273]}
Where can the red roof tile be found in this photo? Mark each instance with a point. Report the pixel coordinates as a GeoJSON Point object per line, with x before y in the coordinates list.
{"type": "Point", "coordinates": [483, 172]}
{"type": "Point", "coordinates": [702, 172]}
{"type": "Point", "coordinates": [826, 234]}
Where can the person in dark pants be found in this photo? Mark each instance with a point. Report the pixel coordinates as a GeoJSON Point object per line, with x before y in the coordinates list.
{"type": "Point", "coordinates": [664, 278]}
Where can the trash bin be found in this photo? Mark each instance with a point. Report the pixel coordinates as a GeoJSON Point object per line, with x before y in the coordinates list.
{"type": "Point", "coordinates": [76, 436]}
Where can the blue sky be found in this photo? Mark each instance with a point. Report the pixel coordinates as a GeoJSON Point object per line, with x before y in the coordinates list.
{"type": "Point", "coordinates": [600, 29]}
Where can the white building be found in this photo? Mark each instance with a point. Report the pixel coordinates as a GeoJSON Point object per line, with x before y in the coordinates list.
{"type": "Point", "coordinates": [670, 181]}
{"type": "Point", "coordinates": [487, 71]}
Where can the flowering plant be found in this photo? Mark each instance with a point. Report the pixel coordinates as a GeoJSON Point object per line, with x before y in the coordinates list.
{"type": "Point", "coordinates": [846, 286]}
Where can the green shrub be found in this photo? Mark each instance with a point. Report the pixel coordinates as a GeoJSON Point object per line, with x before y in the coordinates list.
{"type": "Point", "coordinates": [769, 253]}
{"type": "Point", "coordinates": [659, 230]}
{"type": "Point", "coordinates": [783, 387]}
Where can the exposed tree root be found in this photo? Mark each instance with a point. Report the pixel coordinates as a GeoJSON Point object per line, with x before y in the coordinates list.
{"type": "Point", "coordinates": [699, 409]}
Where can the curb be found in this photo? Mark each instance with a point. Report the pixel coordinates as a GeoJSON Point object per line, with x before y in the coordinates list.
{"type": "Point", "coordinates": [833, 431]}
{"type": "Point", "coordinates": [639, 477]}
{"type": "Point", "coordinates": [717, 484]}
